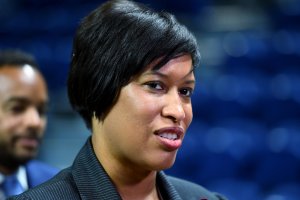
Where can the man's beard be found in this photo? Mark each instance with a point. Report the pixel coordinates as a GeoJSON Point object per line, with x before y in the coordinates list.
{"type": "Point", "coordinates": [9, 160]}
{"type": "Point", "coordinates": [12, 162]}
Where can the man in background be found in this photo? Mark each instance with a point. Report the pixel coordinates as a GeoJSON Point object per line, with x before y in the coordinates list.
{"type": "Point", "coordinates": [23, 103]}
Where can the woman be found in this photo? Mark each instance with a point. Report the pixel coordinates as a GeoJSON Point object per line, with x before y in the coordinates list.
{"type": "Point", "coordinates": [131, 80]}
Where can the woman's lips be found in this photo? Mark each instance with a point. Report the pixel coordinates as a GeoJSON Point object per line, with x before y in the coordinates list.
{"type": "Point", "coordinates": [170, 137]}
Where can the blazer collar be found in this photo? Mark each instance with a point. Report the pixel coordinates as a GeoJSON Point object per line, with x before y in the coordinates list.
{"type": "Point", "coordinates": [166, 188]}
{"type": "Point", "coordinates": [94, 183]}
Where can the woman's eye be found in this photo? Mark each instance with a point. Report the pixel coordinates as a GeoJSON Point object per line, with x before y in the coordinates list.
{"type": "Point", "coordinates": [187, 92]}
{"type": "Point", "coordinates": [155, 85]}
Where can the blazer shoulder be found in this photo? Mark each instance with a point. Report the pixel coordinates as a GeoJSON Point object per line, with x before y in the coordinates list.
{"type": "Point", "coordinates": [190, 190]}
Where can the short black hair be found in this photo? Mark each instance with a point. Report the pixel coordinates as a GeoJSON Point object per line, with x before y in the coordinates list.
{"type": "Point", "coordinates": [114, 43]}
{"type": "Point", "coordinates": [17, 58]}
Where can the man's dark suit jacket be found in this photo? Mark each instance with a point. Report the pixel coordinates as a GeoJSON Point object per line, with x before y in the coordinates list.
{"type": "Point", "coordinates": [86, 179]}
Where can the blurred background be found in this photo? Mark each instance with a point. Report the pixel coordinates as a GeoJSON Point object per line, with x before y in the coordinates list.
{"type": "Point", "coordinates": [244, 141]}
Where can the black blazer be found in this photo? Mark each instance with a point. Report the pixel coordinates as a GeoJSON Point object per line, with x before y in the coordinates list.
{"type": "Point", "coordinates": [86, 179]}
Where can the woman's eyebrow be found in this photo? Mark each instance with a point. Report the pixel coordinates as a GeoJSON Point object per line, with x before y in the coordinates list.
{"type": "Point", "coordinates": [192, 81]}
{"type": "Point", "coordinates": [155, 73]}
{"type": "Point", "coordinates": [188, 81]}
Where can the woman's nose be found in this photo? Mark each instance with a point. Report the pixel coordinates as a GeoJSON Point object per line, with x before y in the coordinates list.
{"type": "Point", "coordinates": [173, 107]}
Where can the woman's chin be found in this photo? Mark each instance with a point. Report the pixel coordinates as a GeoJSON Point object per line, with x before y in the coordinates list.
{"type": "Point", "coordinates": [165, 163]}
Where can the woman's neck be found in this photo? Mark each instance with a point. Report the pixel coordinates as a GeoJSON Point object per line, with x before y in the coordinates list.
{"type": "Point", "coordinates": [143, 189]}
{"type": "Point", "coordinates": [131, 182]}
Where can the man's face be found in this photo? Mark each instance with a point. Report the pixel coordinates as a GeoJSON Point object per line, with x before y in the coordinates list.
{"type": "Point", "coordinates": [23, 101]}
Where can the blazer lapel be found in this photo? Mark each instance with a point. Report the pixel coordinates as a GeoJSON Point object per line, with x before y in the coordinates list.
{"type": "Point", "coordinates": [90, 177]}
{"type": "Point", "coordinates": [167, 189]}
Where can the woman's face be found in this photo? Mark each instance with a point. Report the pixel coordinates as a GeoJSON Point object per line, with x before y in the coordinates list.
{"type": "Point", "coordinates": [146, 126]}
